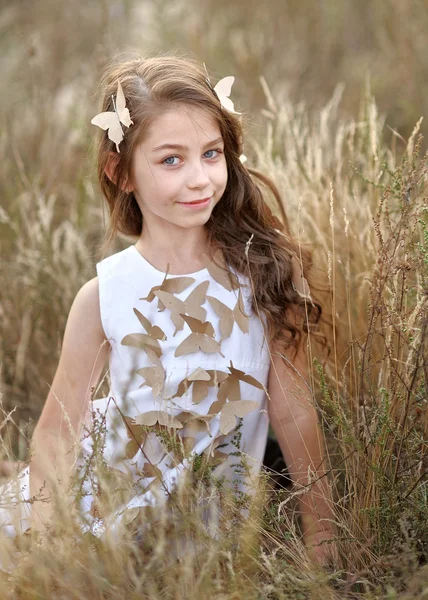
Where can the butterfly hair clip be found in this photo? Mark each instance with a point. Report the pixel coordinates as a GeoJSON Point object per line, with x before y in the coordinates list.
{"type": "Point", "coordinates": [113, 120]}
{"type": "Point", "coordinates": [222, 91]}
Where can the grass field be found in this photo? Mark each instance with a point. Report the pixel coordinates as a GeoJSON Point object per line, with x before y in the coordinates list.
{"type": "Point", "coordinates": [334, 95]}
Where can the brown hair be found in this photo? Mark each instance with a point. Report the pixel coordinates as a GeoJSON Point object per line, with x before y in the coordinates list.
{"type": "Point", "coordinates": [154, 85]}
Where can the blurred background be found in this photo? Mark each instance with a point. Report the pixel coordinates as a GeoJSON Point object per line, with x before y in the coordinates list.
{"type": "Point", "coordinates": [303, 49]}
{"type": "Point", "coordinates": [333, 94]}
{"type": "Point", "coordinates": [320, 83]}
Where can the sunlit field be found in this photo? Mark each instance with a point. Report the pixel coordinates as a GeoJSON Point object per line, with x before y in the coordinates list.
{"type": "Point", "coordinates": [333, 96]}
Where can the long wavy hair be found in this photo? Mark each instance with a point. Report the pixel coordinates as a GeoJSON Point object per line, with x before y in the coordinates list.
{"type": "Point", "coordinates": [253, 241]}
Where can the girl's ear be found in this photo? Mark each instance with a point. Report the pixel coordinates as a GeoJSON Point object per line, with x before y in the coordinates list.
{"type": "Point", "coordinates": [110, 171]}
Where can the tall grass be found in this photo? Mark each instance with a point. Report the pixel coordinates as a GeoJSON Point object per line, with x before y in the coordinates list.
{"type": "Point", "coordinates": [353, 187]}
{"type": "Point", "coordinates": [305, 48]}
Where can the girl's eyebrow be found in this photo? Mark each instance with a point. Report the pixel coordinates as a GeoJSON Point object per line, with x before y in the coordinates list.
{"type": "Point", "coordinates": [181, 147]}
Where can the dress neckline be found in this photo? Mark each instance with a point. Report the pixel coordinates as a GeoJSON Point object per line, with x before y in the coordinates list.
{"type": "Point", "coordinates": [149, 264]}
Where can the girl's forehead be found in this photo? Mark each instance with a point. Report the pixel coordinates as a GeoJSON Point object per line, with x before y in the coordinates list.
{"type": "Point", "coordinates": [184, 124]}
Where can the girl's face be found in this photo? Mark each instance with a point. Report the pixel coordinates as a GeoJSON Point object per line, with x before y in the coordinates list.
{"type": "Point", "coordinates": [179, 170]}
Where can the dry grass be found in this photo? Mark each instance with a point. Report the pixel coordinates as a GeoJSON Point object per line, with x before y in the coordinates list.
{"type": "Point", "coordinates": [352, 187]}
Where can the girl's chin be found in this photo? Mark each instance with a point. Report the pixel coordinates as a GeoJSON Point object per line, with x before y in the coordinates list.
{"type": "Point", "coordinates": [198, 221]}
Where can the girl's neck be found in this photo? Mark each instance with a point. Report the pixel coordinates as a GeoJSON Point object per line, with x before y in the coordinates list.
{"type": "Point", "coordinates": [184, 255]}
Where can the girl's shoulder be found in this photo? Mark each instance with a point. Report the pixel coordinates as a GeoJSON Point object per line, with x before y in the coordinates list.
{"type": "Point", "coordinates": [84, 334]}
{"type": "Point", "coordinates": [85, 309]}
{"type": "Point", "coordinates": [84, 318]}
{"type": "Point", "coordinates": [89, 293]}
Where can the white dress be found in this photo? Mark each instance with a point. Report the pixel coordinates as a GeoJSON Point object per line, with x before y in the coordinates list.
{"type": "Point", "coordinates": [189, 365]}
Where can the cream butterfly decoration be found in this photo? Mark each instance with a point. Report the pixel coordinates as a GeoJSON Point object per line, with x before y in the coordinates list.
{"type": "Point", "coordinates": [112, 120]}
{"type": "Point", "coordinates": [223, 90]}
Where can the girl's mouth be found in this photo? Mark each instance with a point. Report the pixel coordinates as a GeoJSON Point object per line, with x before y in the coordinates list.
{"type": "Point", "coordinates": [196, 203]}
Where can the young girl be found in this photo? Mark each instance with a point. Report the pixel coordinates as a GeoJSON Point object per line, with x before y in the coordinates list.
{"type": "Point", "coordinates": [204, 319]}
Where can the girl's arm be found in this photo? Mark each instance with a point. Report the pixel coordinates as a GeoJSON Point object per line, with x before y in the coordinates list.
{"type": "Point", "coordinates": [83, 355]}
{"type": "Point", "coordinates": [294, 421]}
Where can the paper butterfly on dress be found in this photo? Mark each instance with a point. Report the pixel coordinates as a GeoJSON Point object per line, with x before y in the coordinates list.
{"type": "Point", "coordinates": [145, 341]}
{"type": "Point", "coordinates": [200, 380]}
{"type": "Point", "coordinates": [201, 338]}
{"type": "Point", "coordinates": [154, 376]}
{"type": "Point", "coordinates": [223, 276]}
{"type": "Point", "coordinates": [112, 120]}
{"type": "Point", "coordinates": [229, 316]}
{"type": "Point", "coordinates": [191, 306]}
{"type": "Point", "coordinates": [232, 410]}
{"type": "Point", "coordinates": [172, 286]}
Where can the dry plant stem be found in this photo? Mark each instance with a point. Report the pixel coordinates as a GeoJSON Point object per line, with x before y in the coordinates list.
{"type": "Point", "coordinates": [333, 285]}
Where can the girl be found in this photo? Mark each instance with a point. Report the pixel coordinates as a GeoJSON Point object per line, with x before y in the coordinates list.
{"type": "Point", "coordinates": [204, 319]}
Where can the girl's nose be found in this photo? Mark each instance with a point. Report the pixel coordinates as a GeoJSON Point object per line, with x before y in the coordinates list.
{"type": "Point", "coordinates": [198, 178]}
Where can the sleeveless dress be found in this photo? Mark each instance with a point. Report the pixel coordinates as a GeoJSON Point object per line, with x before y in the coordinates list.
{"type": "Point", "coordinates": [188, 370]}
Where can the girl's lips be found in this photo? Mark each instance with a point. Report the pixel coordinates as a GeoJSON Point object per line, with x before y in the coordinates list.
{"type": "Point", "coordinates": [197, 204]}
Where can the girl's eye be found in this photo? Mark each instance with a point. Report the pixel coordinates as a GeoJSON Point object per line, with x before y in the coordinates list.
{"type": "Point", "coordinates": [217, 153]}
{"type": "Point", "coordinates": [168, 160]}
